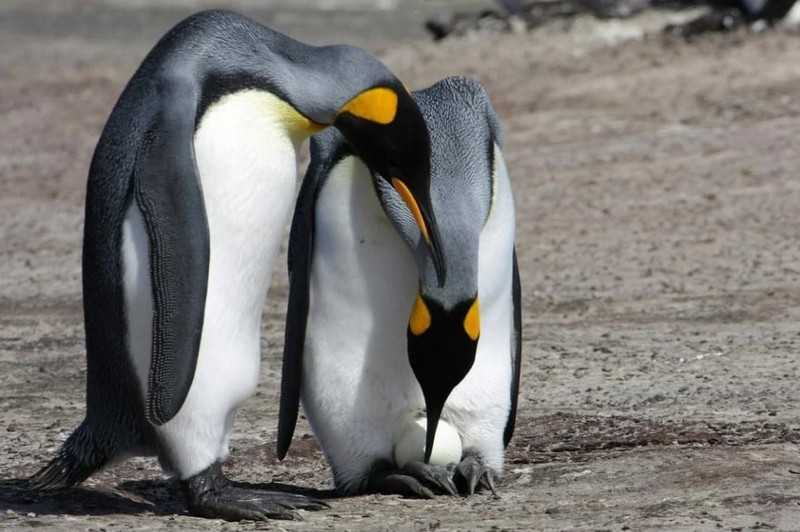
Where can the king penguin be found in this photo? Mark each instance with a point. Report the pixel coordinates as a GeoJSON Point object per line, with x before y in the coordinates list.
{"type": "Point", "coordinates": [190, 189]}
{"type": "Point", "coordinates": [373, 341]}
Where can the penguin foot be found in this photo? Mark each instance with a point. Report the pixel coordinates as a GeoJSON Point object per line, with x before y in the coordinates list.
{"type": "Point", "coordinates": [471, 473]}
{"type": "Point", "coordinates": [415, 479]}
{"type": "Point", "coordinates": [211, 494]}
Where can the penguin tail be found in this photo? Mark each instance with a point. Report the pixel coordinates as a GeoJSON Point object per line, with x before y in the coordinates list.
{"type": "Point", "coordinates": [79, 456]}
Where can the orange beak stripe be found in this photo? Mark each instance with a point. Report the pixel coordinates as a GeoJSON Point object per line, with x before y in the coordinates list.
{"type": "Point", "coordinates": [408, 198]}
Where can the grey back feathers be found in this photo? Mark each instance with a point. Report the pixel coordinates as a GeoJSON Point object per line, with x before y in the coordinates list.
{"type": "Point", "coordinates": [226, 52]}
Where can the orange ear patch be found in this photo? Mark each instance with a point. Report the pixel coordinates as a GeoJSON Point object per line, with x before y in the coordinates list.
{"type": "Point", "coordinates": [420, 319]}
{"type": "Point", "coordinates": [472, 321]}
{"type": "Point", "coordinates": [377, 105]}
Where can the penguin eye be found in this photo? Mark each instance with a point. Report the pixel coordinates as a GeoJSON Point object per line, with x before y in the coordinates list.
{"type": "Point", "coordinates": [420, 319]}
{"type": "Point", "coordinates": [377, 105]}
{"type": "Point", "coordinates": [472, 321]}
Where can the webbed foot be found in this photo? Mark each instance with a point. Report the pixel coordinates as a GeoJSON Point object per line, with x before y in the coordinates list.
{"type": "Point", "coordinates": [472, 473]}
{"type": "Point", "coordinates": [211, 494]}
{"type": "Point", "coordinates": [415, 479]}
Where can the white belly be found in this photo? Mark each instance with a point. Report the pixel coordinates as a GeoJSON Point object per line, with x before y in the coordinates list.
{"type": "Point", "coordinates": [358, 388]}
{"type": "Point", "coordinates": [247, 164]}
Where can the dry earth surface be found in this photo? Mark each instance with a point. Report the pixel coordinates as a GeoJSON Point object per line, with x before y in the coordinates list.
{"type": "Point", "coordinates": [658, 202]}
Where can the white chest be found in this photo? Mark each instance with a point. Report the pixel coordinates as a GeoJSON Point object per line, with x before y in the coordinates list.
{"type": "Point", "coordinates": [363, 284]}
{"type": "Point", "coordinates": [246, 151]}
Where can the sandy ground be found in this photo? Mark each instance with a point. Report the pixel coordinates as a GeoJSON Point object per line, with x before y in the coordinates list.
{"type": "Point", "coordinates": [657, 195]}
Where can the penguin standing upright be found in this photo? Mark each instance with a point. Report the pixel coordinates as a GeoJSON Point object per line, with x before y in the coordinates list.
{"type": "Point", "coordinates": [190, 188]}
{"type": "Point", "coordinates": [373, 341]}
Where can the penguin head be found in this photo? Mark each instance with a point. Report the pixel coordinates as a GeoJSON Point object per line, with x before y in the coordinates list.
{"type": "Point", "coordinates": [384, 127]}
{"type": "Point", "coordinates": [442, 344]}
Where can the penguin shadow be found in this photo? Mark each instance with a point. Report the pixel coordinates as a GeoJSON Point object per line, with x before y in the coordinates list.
{"type": "Point", "coordinates": [160, 497]}
{"type": "Point", "coordinates": [313, 493]}
{"type": "Point", "coordinates": [92, 500]}
{"type": "Point", "coordinates": [165, 497]}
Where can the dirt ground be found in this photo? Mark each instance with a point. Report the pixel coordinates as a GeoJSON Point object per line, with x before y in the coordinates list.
{"type": "Point", "coordinates": [658, 204]}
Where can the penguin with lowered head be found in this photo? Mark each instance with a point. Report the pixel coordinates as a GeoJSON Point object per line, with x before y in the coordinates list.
{"type": "Point", "coordinates": [383, 357]}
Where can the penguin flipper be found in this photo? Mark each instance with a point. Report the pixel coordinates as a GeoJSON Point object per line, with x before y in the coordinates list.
{"type": "Point", "coordinates": [168, 193]}
{"type": "Point", "coordinates": [301, 244]}
{"type": "Point", "coordinates": [516, 350]}
{"type": "Point", "coordinates": [301, 247]}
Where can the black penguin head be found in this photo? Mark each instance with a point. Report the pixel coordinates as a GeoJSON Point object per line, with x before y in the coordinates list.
{"type": "Point", "coordinates": [385, 128]}
{"type": "Point", "coordinates": [441, 349]}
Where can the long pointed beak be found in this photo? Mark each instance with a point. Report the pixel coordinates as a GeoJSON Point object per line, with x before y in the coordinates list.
{"type": "Point", "coordinates": [433, 414]}
{"type": "Point", "coordinates": [435, 247]}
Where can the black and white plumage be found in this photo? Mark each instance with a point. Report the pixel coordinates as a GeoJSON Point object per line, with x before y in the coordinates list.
{"type": "Point", "coordinates": [359, 269]}
{"type": "Point", "coordinates": [190, 188]}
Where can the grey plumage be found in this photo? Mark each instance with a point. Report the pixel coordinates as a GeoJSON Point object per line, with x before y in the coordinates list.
{"type": "Point", "coordinates": [467, 125]}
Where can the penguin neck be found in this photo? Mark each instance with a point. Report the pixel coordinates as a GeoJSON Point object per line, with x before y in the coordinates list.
{"type": "Point", "coordinates": [262, 106]}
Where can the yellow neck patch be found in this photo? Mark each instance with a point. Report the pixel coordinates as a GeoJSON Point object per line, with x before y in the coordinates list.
{"type": "Point", "coordinates": [409, 200]}
{"type": "Point", "coordinates": [420, 319]}
{"type": "Point", "coordinates": [472, 321]}
{"type": "Point", "coordinates": [259, 104]}
{"type": "Point", "coordinates": [296, 123]}
{"type": "Point", "coordinates": [377, 105]}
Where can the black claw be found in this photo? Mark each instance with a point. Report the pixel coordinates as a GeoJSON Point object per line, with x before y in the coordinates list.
{"type": "Point", "coordinates": [394, 482]}
{"type": "Point", "coordinates": [471, 473]}
{"type": "Point", "coordinates": [210, 494]}
{"type": "Point", "coordinates": [487, 481]}
{"type": "Point", "coordinates": [436, 477]}
{"type": "Point", "coordinates": [415, 479]}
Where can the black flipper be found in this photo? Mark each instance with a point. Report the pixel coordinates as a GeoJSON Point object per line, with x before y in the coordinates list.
{"type": "Point", "coordinates": [327, 149]}
{"type": "Point", "coordinates": [516, 351]}
{"type": "Point", "coordinates": [301, 245]}
{"type": "Point", "coordinates": [168, 192]}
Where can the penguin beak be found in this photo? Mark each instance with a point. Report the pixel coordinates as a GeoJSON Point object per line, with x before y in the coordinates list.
{"type": "Point", "coordinates": [433, 413]}
{"type": "Point", "coordinates": [441, 349]}
{"type": "Point", "coordinates": [423, 215]}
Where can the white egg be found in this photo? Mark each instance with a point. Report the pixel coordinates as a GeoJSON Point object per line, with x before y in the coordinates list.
{"type": "Point", "coordinates": [411, 445]}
